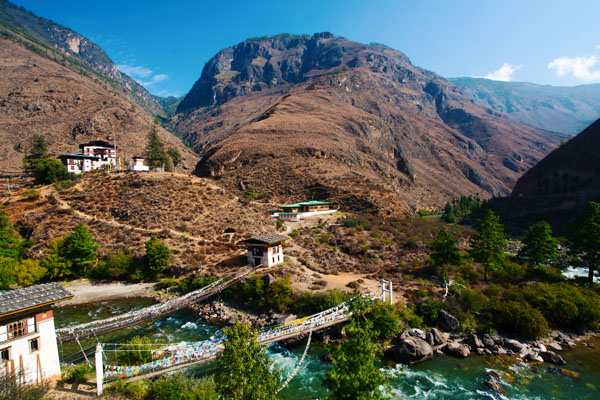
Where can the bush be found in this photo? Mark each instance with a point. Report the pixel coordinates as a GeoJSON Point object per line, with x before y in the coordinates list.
{"type": "Point", "coordinates": [180, 387]}
{"type": "Point", "coordinates": [408, 315]}
{"type": "Point", "coordinates": [49, 170]}
{"type": "Point", "coordinates": [11, 390]}
{"type": "Point", "coordinates": [78, 374]}
{"type": "Point", "coordinates": [119, 266]}
{"type": "Point", "coordinates": [279, 295]}
{"type": "Point", "coordinates": [157, 255]}
{"type": "Point", "coordinates": [312, 303]}
{"type": "Point", "coordinates": [429, 311]}
{"type": "Point", "coordinates": [469, 299]}
{"type": "Point", "coordinates": [31, 194]}
{"type": "Point", "coordinates": [386, 321]}
{"type": "Point", "coordinates": [194, 283]}
{"type": "Point", "coordinates": [137, 352]}
{"type": "Point", "coordinates": [517, 317]}
{"type": "Point", "coordinates": [137, 389]}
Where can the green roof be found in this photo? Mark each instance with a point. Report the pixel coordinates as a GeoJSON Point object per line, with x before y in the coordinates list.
{"type": "Point", "coordinates": [292, 205]}
{"type": "Point", "coordinates": [288, 213]}
{"type": "Point", "coordinates": [272, 210]}
{"type": "Point", "coordinates": [313, 202]}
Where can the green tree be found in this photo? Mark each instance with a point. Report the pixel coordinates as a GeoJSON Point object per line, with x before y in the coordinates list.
{"type": "Point", "coordinates": [278, 294]}
{"type": "Point", "coordinates": [28, 272]}
{"type": "Point", "coordinates": [444, 251]}
{"type": "Point", "coordinates": [157, 255]}
{"type": "Point", "coordinates": [354, 375]}
{"type": "Point", "coordinates": [49, 170]}
{"type": "Point", "coordinates": [244, 369]}
{"type": "Point", "coordinates": [386, 321]}
{"type": "Point", "coordinates": [155, 150]}
{"type": "Point", "coordinates": [586, 239]}
{"type": "Point", "coordinates": [57, 266]}
{"type": "Point", "coordinates": [488, 244]}
{"type": "Point", "coordinates": [8, 274]}
{"type": "Point", "coordinates": [539, 244]}
{"type": "Point", "coordinates": [10, 241]}
{"type": "Point", "coordinates": [80, 249]}
{"type": "Point", "coordinates": [38, 151]}
{"type": "Point", "coordinates": [175, 156]}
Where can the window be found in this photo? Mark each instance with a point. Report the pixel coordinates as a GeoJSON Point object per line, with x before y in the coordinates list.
{"type": "Point", "coordinates": [34, 344]}
{"type": "Point", "coordinates": [5, 354]}
{"type": "Point", "coordinates": [17, 329]}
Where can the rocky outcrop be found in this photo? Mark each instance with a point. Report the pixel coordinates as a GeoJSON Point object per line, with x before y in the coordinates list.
{"type": "Point", "coordinates": [552, 357]}
{"type": "Point", "coordinates": [412, 350]}
{"type": "Point", "coordinates": [473, 341]}
{"type": "Point", "coordinates": [494, 385]}
{"type": "Point", "coordinates": [457, 350]}
{"type": "Point", "coordinates": [436, 337]}
{"type": "Point", "coordinates": [447, 321]}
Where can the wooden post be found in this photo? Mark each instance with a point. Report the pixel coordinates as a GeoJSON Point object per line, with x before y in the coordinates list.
{"type": "Point", "coordinates": [39, 365]}
{"type": "Point", "coordinates": [22, 370]}
{"type": "Point", "coordinates": [99, 369]}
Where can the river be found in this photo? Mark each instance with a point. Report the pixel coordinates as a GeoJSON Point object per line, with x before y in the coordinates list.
{"type": "Point", "coordinates": [440, 378]}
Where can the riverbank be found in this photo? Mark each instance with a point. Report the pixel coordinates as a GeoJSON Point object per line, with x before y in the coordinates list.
{"type": "Point", "coordinates": [85, 291]}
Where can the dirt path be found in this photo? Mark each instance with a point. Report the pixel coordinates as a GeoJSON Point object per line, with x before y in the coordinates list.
{"type": "Point", "coordinates": [85, 291]}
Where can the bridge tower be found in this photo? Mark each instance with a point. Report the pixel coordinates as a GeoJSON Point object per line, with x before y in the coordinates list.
{"type": "Point", "coordinates": [386, 286]}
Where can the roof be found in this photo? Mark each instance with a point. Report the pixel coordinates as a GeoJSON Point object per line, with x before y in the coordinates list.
{"type": "Point", "coordinates": [272, 210]}
{"type": "Point", "coordinates": [97, 143]}
{"type": "Point", "coordinates": [13, 301]}
{"type": "Point", "coordinates": [78, 155]}
{"type": "Point", "coordinates": [291, 205]}
{"type": "Point", "coordinates": [271, 238]}
{"type": "Point", "coordinates": [288, 213]}
{"type": "Point", "coordinates": [313, 202]}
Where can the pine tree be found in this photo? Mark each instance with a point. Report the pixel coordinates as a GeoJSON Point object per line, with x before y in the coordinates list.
{"type": "Point", "coordinates": [444, 251]}
{"type": "Point", "coordinates": [38, 151]}
{"type": "Point", "coordinates": [586, 239]}
{"type": "Point", "coordinates": [245, 372]}
{"type": "Point", "coordinates": [354, 375]}
{"type": "Point", "coordinates": [539, 244]}
{"type": "Point", "coordinates": [488, 245]}
{"type": "Point", "coordinates": [175, 156]}
{"type": "Point", "coordinates": [155, 150]}
{"type": "Point", "coordinates": [80, 249]}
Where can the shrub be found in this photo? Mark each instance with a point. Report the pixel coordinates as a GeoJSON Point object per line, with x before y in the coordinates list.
{"type": "Point", "coordinates": [312, 303]}
{"type": "Point", "coordinates": [278, 295]}
{"type": "Point", "coordinates": [180, 387]}
{"type": "Point", "coordinates": [137, 352]}
{"type": "Point", "coordinates": [29, 271]}
{"type": "Point", "coordinates": [49, 170]}
{"type": "Point", "coordinates": [117, 266]}
{"type": "Point", "coordinates": [429, 310]}
{"type": "Point", "coordinates": [386, 321]}
{"type": "Point", "coordinates": [157, 255]}
{"type": "Point", "coordinates": [79, 373]}
{"type": "Point", "coordinates": [470, 300]}
{"type": "Point", "coordinates": [517, 317]}
{"type": "Point", "coordinates": [10, 389]}
{"type": "Point", "coordinates": [408, 315]}
{"type": "Point", "coordinates": [137, 389]}
{"type": "Point", "coordinates": [31, 194]}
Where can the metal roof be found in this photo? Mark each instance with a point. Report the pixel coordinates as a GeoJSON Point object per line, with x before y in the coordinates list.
{"type": "Point", "coordinates": [13, 301]}
{"type": "Point", "coordinates": [78, 155]}
{"type": "Point", "coordinates": [313, 202]}
{"type": "Point", "coordinates": [97, 143]}
{"type": "Point", "coordinates": [271, 238]}
{"type": "Point", "coordinates": [288, 213]}
{"type": "Point", "coordinates": [291, 205]}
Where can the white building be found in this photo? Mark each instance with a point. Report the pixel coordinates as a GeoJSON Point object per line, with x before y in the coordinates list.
{"type": "Point", "coordinates": [94, 155]}
{"type": "Point", "coordinates": [266, 250]}
{"type": "Point", "coordinates": [28, 349]}
{"type": "Point", "coordinates": [79, 162]}
{"type": "Point", "coordinates": [298, 211]}
{"type": "Point", "coordinates": [137, 164]}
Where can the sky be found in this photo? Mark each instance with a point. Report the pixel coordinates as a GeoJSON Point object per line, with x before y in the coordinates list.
{"type": "Point", "coordinates": [165, 44]}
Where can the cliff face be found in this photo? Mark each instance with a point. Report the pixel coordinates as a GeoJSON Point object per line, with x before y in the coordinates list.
{"type": "Point", "coordinates": [321, 115]}
{"type": "Point", "coordinates": [18, 20]}
{"type": "Point", "coordinates": [572, 168]}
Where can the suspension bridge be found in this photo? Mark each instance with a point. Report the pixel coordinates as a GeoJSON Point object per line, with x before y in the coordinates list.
{"type": "Point", "coordinates": [132, 318]}
{"type": "Point", "coordinates": [171, 357]}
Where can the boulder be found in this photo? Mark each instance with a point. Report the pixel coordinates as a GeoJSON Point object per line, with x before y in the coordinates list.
{"type": "Point", "coordinates": [429, 338]}
{"type": "Point", "coordinates": [447, 321]}
{"type": "Point", "coordinates": [439, 337]}
{"type": "Point", "coordinates": [457, 350]}
{"type": "Point", "coordinates": [494, 385]}
{"type": "Point", "coordinates": [480, 351]}
{"type": "Point", "coordinates": [417, 333]}
{"type": "Point", "coordinates": [552, 357]}
{"type": "Point", "coordinates": [497, 350]}
{"type": "Point", "coordinates": [412, 350]}
{"type": "Point", "coordinates": [498, 340]}
{"type": "Point", "coordinates": [487, 340]}
{"type": "Point", "coordinates": [473, 341]}
{"type": "Point", "coordinates": [513, 345]}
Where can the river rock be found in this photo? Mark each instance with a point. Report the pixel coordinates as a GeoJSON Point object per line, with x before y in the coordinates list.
{"type": "Point", "coordinates": [412, 350]}
{"type": "Point", "coordinates": [473, 341]}
{"type": "Point", "coordinates": [553, 346]}
{"type": "Point", "coordinates": [552, 357]}
{"type": "Point", "coordinates": [439, 337]}
{"type": "Point", "coordinates": [416, 332]}
{"type": "Point", "coordinates": [488, 341]}
{"type": "Point", "coordinates": [480, 351]}
{"type": "Point", "coordinates": [494, 385]}
{"type": "Point", "coordinates": [497, 350]}
{"type": "Point", "coordinates": [457, 350]}
{"type": "Point", "coordinates": [447, 321]}
{"type": "Point", "coordinates": [513, 345]}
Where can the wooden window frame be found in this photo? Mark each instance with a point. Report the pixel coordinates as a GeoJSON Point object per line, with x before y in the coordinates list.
{"type": "Point", "coordinates": [29, 342]}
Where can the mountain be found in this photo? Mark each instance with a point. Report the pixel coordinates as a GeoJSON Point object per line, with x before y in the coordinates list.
{"type": "Point", "coordinates": [298, 116]}
{"type": "Point", "coordinates": [565, 109]}
{"type": "Point", "coordinates": [80, 51]}
{"type": "Point", "coordinates": [47, 91]}
{"type": "Point", "coordinates": [573, 167]}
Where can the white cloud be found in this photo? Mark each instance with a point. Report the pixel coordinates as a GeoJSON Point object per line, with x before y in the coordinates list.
{"type": "Point", "coordinates": [159, 77]}
{"type": "Point", "coordinates": [504, 73]}
{"type": "Point", "coordinates": [135, 71]}
{"type": "Point", "coordinates": [578, 67]}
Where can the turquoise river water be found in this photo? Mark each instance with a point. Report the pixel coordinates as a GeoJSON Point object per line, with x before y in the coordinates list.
{"type": "Point", "coordinates": [440, 378]}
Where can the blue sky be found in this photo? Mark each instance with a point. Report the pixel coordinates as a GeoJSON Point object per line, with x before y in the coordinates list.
{"type": "Point", "coordinates": [164, 44]}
